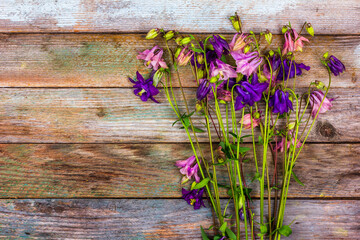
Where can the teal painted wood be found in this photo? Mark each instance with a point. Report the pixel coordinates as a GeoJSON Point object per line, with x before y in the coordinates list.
{"type": "Point", "coordinates": [159, 219]}
{"type": "Point", "coordinates": [328, 17]}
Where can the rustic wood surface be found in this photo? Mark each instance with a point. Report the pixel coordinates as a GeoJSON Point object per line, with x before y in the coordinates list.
{"type": "Point", "coordinates": [158, 219]}
{"type": "Point", "coordinates": [72, 131]}
{"type": "Point", "coordinates": [328, 17]}
{"type": "Point", "coordinates": [115, 115]}
{"type": "Point", "coordinates": [107, 60]}
{"type": "Point", "coordinates": [148, 171]}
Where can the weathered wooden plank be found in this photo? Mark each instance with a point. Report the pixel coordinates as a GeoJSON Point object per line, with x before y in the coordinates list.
{"type": "Point", "coordinates": [330, 17]}
{"type": "Point", "coordinates": [85, 115]}
{"type": "Point", "coordinates": [147, 170]}
{"type": "Point", "coordinates": [159, 219]}
{"type": "Point", "coordinates": [106, 60]}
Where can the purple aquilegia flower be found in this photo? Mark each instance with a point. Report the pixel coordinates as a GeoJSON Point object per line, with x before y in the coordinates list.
{"type": "Point", "coordinates": [281, 102]}
{"type": "Point", "coordinates": [247, 63]}
{"type": "Point", "coordinates": [315, 99]}
{"type": "Point", "coordinates": [287, 72]}
{"type": "Point", "coordinates": [194, 197]}
{"type": "Point", "coordinates": [225, 71]}
{"type": "Point", "coordinates": [220, 45]}
{"type": "Point", "coordinates": [241, 214]}
{"type": "Point", "coordinates": [290, 141]}
{"type": "Point", "coordinates": [293, 42]}
{"type": "Point", "coordinates": [203, 89]}
{"type": "Point", "coordinates": [153, 58]}
{"type": "Point", "coordinates": [335, 65]}
{"type": "Point", "coordinates": [189, 168]}
{"type": "Point", "coordinates": [249, 93]}
{"type": "Point", "coordinates": [144, 88]}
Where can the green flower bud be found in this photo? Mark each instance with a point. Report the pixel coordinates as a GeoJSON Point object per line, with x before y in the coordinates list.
{"type": "Point", "coordinates": [200, 58]}
{"type": "Point", "coordinates": [185, 40]}
{"type": "Point", "coordinates": [211, 47]}
{"type": "Point", "coordinates": [284, 29]}
{"type": "Point", "coordinates": [268, 37]}
{"type": "Point", "coordinates": [239, 77]}
{"type": "Point", "coordinates": [177, 52]}
{"type": "Point", "coordinates": [198, 107]}
{"type": "Point", "coordinates": [291, 125]}
{"type": "Point", "coordinates": [178, 40]}
{"type": "Point", "coordinates": [326, 55]}
{"type": "Point", "coordinates": [200, 74]}
{"type": "Point", "coordinates": [257, 115]}
{"type": "Point", "coordinates": [153, 33]}
{"type": "Point", "coordinates": [320, 85]}
{"type": "Point", "coordinates": [169, 35]}
{"type": "Point", "coordinates": [222, 101]}
{"type": "Point", "coordinates": [236, 22]}
{"type": "Point", "coordinates": [310, 29]}
{"type": "Point", "coordinates": [213, 79]}
{"type": "Point", "coordinates": [271, 53]}
{"type": "Point", "coordinates": [247, 48]}
{"type": "Point", "coordinates": [158, 76]}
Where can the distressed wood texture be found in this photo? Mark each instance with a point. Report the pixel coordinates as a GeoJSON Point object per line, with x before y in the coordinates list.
{"type": "Point", "coordinates": [159, 219]}
{"type": "Point", "coordinates": [107, 60]}
{"type": "Point", "coordinates": [328, 17]}
{"type": "Point", "coordinates": [148, 171]}
{"type": "Point", "coordinates": [113, 115]}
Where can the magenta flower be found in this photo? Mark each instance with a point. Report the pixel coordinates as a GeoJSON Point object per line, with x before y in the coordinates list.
{"type": "Point", "coordinates": [238, 43]}
{"type": "Point", "coordinates": [225, 71]}
{"type": "Point", "coordinates": [315, 99]}
{"type": "Point", "coordinates": [290, 141]}
{"type": "Point", "coordinates": [184, 56]}
{"type": "Point", "coordinates": [189, 168]}
{"type": "Point", "coordinates": [335, 65]}
{"type": "Point", "coordinates": [153, 58]}
{"type": "Point", "coordinates": [247, 63]}
{"type": "Point", "coordinates": [224, 95]}
{"type": "Point", "coordinates": [144, 88]}
{"type": "Point", "coordinates": [194, 197]}
{"type": "Point", "coordinates": [293, 42]}
{"type": "Point", "coordinates": [246, 121]}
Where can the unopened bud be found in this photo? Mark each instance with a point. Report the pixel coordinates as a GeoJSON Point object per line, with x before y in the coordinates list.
{"type": "Point", "coordinates": [271, 53]}
{"type": "Point", "coordinates": [178, 40]}
{"type": "Point", "coordinates": [247, 48]}
{"type": "Point", "coordinates": [200, 58]}
{"type": "Point", "coordinates": [239, 77]}
{"type": "Point", "coordinates": [200, 74]}
{"type": "Point", "coordinates": [256, 115]}
{"type": "Point", "coordinates": [268, 37]}
{"type": "Point", "coordinates": [213, 79]}
{"type": "Point", "coordinates": [198, 107]}
{"type": "Point", "coordinates": [326, 55]}
{"type": "Point", "coordinates": [310, 29]}
{"type": "Point", "coordinates": [320, 85]}
{"type": "Point", "coordinates": [169, 35]}
{"type": "Point", "coordinates": [291, 125]}
{"type": "Point", "coordinates": [185, 40]}
{"type": "Point", "coordinates": [158, 76]}
{"type": "Point", "coordinates": [177, 52]}
{"type": "Point", "coordinates": [153, 33]}
{"type": "Point", "coordinates": [284, 29]}
{"type": "Point", "coordinates": [236, 22]}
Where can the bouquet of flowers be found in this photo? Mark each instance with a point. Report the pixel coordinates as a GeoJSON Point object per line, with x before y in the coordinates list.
{"type": "Point", "coordinates": [241, 87]}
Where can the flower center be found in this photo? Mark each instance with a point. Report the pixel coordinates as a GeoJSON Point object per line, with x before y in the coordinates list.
{"type": "Point", "coordinates": [192, 201]}
{"type": "Point", "coordinates": [141, 92]}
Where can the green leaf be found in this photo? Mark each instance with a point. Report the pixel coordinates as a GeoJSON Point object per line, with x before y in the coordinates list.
{"type": "Point", "coordinates": [296, 178]}
{"type": "Point", "coordinates": [261, 141]}
{"type": "Point", "coordinates": [257, 176]}
{"type": "Point", "coordinates": [202, 183]}
{"type": "Point", "coordinates": [198, 130]}
{"type": "Point", "coordinates": [230, 234]}
{"type": "Point", "coordinates": [233, 134]}
{"type": "Point", "coordinates": [223, 227]}
{"type": "Point", "coordinates": [198, 50]}
{"type": "Point", "coordinates": [244, 149]}
{"type": "Point", "coordinates": [263, 229]}
{"type": "Point", "coordinates": [217, 237]}
{"type": "Point", "coordinates": [285, 230]}
{"type": "Point", "coordinates": [203, 234]}
{"type": "Point", "coordinates": [225, 162]}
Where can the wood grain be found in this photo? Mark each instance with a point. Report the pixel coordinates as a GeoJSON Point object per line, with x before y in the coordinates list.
{"type": "Point", "coordinates": [107, 60]}
{"type": "Point", "coordinates": [148, 171]}
{"type": "Point", "coordinates": [112, 115]}
{"type": "Point", "coordinates": [158, 219]}
{"type": "Point", "coordinates": [330, 17]}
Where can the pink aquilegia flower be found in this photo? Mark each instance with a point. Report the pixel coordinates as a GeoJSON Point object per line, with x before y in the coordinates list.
{"type": "Point", "coordinates": [238, 44]}
{"type": "Point", "coordinates": [315, 99]}
{"type": "Point", "coordinates": [184, 56]}
{"type": "Point", "coordinates": [225, 71]}
{"type": "Point", "coordinates": [188, 168]}
{"type": "Point", "coordinates": [224, 95]}
{"type": "Point", "coordinates": [293, 42]}
{"type": "Point", "coordinates": [153, 58]}
{"type": "Point", "coordinates": [246, 120]}
{"type": "Point", "coordinates": [247, 63]}
{"type": "Point", "coordinates": [290, 141]}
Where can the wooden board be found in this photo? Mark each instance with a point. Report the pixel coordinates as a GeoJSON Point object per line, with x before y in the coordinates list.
{"type": "Point", "coordinates": [148, 171]}
{"type": "Point", "coordinates": [107, 60]}
{"type": "Point", "coordinates": [158, 219]}
{"type": "Point", "coordinates": [330, 17]}
{"type": "Point", "coordinates": [112, 115]}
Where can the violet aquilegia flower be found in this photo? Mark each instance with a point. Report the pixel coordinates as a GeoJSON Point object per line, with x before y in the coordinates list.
{"type": "Point", "coordinates": [184, 56]}
{"type": "Point", "coordinates": [194, 197]}
{"type": "Point", "coordinates": [275, 62]}
{"type": "Point", "coordinates": [189, 168]}
{"type": "Point", "coordinates": [220, 45]}
{"type": "Point", "coordinates": [293, 42]}
{"type": "Point", "coordinates": [144, 88]}
{"type": "Point", "coordinates": [280, 102]}
{"type": "Point", "coordinates": [290, 141]}
{"type": "Point", "coordinates": [203, 89]}
{"type": "Point", "coordinates": [315, 100]}
{"type": "Point", "coordinates": [241, 214]}
{"type": "Point", "coordinates": [221, 69]}
{"type": "Point", "coordinates": [246, 121]}
{"type": "Point", "coordinates": [153, 58]}
{"type": "Point", "coordinates": [286, 71]}
{"type": "Point", "coordinates": [247, 63]}
{"type": "Point", "coordinates": [249, 93]}
{"type": "Point", "coordinates": [335, 65]}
